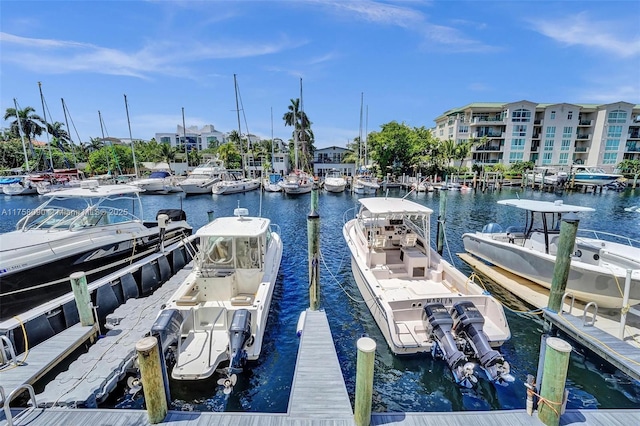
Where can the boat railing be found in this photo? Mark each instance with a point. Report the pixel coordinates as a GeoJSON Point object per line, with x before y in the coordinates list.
{"type": "Point", "coordinates": [608, 236]}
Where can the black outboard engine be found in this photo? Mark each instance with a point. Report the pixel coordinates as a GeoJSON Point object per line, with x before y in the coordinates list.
{"type": "Point", "coordinates": [167, 327]}
{"type": "Point", "coordinates": [468, 322]}
{"type": "Point", "coordinates": [441, 324]}
{"type": "Point", "coordinates": [239, 333]}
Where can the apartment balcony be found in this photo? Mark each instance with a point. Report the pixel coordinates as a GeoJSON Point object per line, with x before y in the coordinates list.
{"type": "Point", "coordinates": [583, 137]}
{"type": "Point", "coordinates": [632, 147]}
{"type": "Point", "coordinates": [581, 149]}
{"type": "Point", "coordinates": [585, 123]}
{"type": "Point", "coordinates": [487, 120]}
{"type": "Point", "coordinates": [537, 122]}
{"type": "Point", "coordinates": [499, 135]}
{"type": "Point", "coordinates": [635, 134]}
{"type": "Point", "coordinates": [535, 136]}
{"type": "Point", "coordinates": [486, 148]}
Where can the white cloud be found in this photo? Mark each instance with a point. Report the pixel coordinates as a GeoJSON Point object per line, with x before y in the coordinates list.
{"type": "Point", "coordinates": [582, 30]}
{"type": "Point", "coordinates": [59, 56]}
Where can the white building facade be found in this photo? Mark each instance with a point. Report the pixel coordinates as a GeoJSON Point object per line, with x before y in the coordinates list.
{"type": "Point", "coordinates": [557, 135]}
{"type": "Point", "coordinates": [327, 159]}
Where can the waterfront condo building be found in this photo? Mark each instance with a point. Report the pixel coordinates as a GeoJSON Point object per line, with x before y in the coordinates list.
{"type": "Point", "coordinates": [554, 135]}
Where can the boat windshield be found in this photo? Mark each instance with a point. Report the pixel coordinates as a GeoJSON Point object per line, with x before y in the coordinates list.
{"type": "Point", "coordinates": [219, 252]}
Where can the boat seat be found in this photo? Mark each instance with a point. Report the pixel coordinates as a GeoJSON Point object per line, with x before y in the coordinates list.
{"type": "Point", "coordinates": [242, 299]}
{"type": "Point", "coordinates": [408, 240]}
{"type": "Point", "coordinates": [379, 241]}
{"type": "Point", "coordinates": [190, 296]}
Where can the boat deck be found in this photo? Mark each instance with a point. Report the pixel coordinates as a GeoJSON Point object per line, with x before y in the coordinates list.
{"type": "Point", "coordinates": [602, 337]}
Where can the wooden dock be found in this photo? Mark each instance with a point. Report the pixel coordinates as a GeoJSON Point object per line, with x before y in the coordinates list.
{"type": "Point", "coordinates": [318, 398]}
{"type": "Point", "coordinates": [602, 337]}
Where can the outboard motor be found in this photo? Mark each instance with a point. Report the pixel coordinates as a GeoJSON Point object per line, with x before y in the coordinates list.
{"type": "Point", "coordinates": [468, 322]}
{"type": "Point", "coordinates": [167, 327]}
{"type": "Point", "coordinates": [441, 325]}
{"type": "Point", "coordinates": [239, 333]}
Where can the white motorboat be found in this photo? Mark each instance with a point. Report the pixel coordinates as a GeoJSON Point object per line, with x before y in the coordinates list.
{"type": "Point", "coordinates": [592, 175]}
{"type": "Point", "coordinates": [599, 262]}
{"type": "Point", "coordinates": [365, 184]}
{"type": "Point", "coordinates": [297, 182]}
{"type": "Point", "coordinates": [421, 302]}
{"type": "Point", "coordinates": [19, 185]}
{"type": "Point", "coordinates": [233, 183]}
{"type": "Point", "coordinates": [93, 229]}
{"type": "Point", "coordinates": [158, 182]}
{"type": "Point", "coordinates": [335, 182]}
{"type": "Point", "coordinates": [272, 182]}
{"type": "Point", "coordinates": [203, 177]}
{"type": "Point", "coordinates": [219, 313]}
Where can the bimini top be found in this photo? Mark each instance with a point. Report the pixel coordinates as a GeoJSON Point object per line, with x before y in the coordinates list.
{"type": "Point", "coordinates": [235, 227]}
{"type": "Point", "coordinates": [545, 206]}
{"type": "Point", "coordinates": [91, 189]}
{"type": "Point", "coordinates": [384, 205]}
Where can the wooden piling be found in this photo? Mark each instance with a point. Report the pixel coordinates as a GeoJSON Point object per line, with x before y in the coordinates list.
{"type": "Point", "coordinates": [364, 380]}
{"type": "Point", "coordinates": [568, 230]}
{"type": "Point", "coordinates": [313, 245]}
{"type": "Point", "coordinates": [81, 295]}
{"type": "Point", "coordinates": [552, 389]}
{"type": "Point", "coordinates": [442, 212]}
{"type": "Point", "coordinates": [152, 379]}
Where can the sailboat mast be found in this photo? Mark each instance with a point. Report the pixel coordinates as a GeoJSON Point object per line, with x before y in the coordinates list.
{"type": "Point", "coordinates": [20, 130]}
{"type": "Point", "coordinates": [133, 151]}
{"type": "Point", "coordinates": [66, 121]}
{"type": "Point", "coordinates": [44, 116]}
{"type": "Point", "coordinates": [184, 136]}
{"type": "Point", "coordinates": [235, 85]}
{"type": "Point", "coordinates": [366, 136]}
{"type": "Point", "coordinates": [104, 142]}
{"type": "Point", "coordinates": [272, 143]}
{"type": "Point", "coordinates": [360, 144]}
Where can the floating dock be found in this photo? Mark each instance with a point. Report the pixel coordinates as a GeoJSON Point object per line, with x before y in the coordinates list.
{"type": "Point", "coordinates": [600, 336]}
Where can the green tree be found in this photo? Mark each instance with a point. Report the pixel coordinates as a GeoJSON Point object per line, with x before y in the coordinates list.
{"type": "Point", "coordinates": [114, 159]}
{"type": "Point", "coordinates": [230, 155]}
{"type": "Point", "coordinates": [30, 121]}
{"type": "Point", "coordinates": [167, 153]}
{"type": "Point", "coordinates": [298, 119]}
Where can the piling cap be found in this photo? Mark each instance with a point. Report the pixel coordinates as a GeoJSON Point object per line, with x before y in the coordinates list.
{"type": "Point", "coordinates": [571, 218]}
{"type": "Point", "coordinates": [366, 344]}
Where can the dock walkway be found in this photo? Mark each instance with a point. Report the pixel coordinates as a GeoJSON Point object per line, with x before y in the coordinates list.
{"type": "Point", "coordinates": [602, 337]}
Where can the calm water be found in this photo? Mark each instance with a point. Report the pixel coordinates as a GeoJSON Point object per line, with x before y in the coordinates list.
{"type": "Point", "coordinates": [415, 383]}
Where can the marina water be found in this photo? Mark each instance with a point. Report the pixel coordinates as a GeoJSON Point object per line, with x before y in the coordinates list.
{"type": "Point", "coordinates": [412, 383]}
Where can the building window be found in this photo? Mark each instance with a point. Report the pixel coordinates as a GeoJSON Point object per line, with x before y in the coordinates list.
{"type": "Point", "coordinates": [617, 116]}
{"type": "Point", "coordinates": [565, 145]}
{"type": "Point", "coordinates": [519, 130]}
{"type": "Point", "coordinates": [567, 132]}
{"type": "Point", "coordinates": [546, 158]}
{"type": "Point", "coordinates": [564, 158]}
{"type": "Point", "coordinates": [553, 115]}
{"type": "Point", "coordinates": [165, 139]}
{"type": "Point", "coordinates": [516, 157]}
{"type": "Point", "coordinates": [570, 115]}
{"type": "Point", "coordinates": [464, 129]}
{"type": "Point", "coordinates": [551, 132]}
{"type": "Point", "coordinates": [610, 158]}
{"type": "Point", "coordinates": [521, 116]}
{"type": "Point", "coordinates": [517, 144]}
{"type": "Point", "coordinates": [614, 132]}
{"type": "Point", "coordinates": [548, 145]}
{"type": "Point", "coordinates": [612, 145]}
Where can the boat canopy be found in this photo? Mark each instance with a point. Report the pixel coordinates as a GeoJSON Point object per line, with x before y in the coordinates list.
{"type": "Point", "coordinates": [161, 174]}
{"type": "Point", "coordinates": [235, 226]}
{"type": "Point", "coordinates": [381, 206]}
{"type": "Point", "coordinates": [90, 189]}
{"type": "Point", "coordinates": [545, 206]}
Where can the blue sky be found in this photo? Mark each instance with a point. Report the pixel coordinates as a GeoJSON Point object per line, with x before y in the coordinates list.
{"type": "Point", "coordinates": [412, 60]}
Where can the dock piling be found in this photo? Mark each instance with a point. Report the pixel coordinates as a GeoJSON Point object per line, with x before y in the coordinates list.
{"type": "Point", "coordinates": [152, 379]}
{"type": "Point", "coordinates": [442, 213]}
{"type": "Point", "coordinates": [364, 380]}
{"type": "Point", "coordinates": [568, 230]}
{"type": "Point", "coordinates": [313, 245]}
{"type": "Point", "coordinates": [552, 390]}
{"type": "Point", "coordinates": [81, 295]}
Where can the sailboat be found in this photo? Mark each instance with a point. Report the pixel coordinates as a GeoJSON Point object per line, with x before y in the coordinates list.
{"type": "Point", "coordinates": [271, 183]}
{"type": "Point", "coordinates": [232, 183]}
{"type": "Point", "coordinates": [298, 181]}
{"type": "Point", "coordinates": [364, 183]}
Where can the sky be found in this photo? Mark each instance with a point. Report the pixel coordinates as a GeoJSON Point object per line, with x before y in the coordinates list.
{"type": "Point", "coordinates": [404, 61]}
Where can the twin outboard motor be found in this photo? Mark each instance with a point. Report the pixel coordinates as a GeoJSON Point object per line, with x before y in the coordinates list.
{"type": "Point", "coordinates": [239, 333]}
{"type": "Point", "coordinates": [441, 325]}
{"type": "Point", "coordinates": [167, 327]}
{"type": "Point", "coordinates": [468, 323]}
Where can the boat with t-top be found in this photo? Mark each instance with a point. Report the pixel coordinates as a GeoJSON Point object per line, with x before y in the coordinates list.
{"type": "Point", "coordinates": [219, 313]}
{"type": "Point", "coordinates": [599, 260]}
{"type": "Point", "coordinates": [92, 229]}
{"type": "Point", "coordinates": [202, 178]}
{"type": "Point", "coordinates": [421, 302]}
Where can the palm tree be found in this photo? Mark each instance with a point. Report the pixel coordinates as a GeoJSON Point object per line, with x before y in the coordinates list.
{"type": "Point", "coordinates": [168, 154]}
{"type": "Point", "coordinates": [301, 128]}
{"type": "Point", "coordinates": [95, 144]}
{"type": "Point", "coordinates": [30, 121]}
